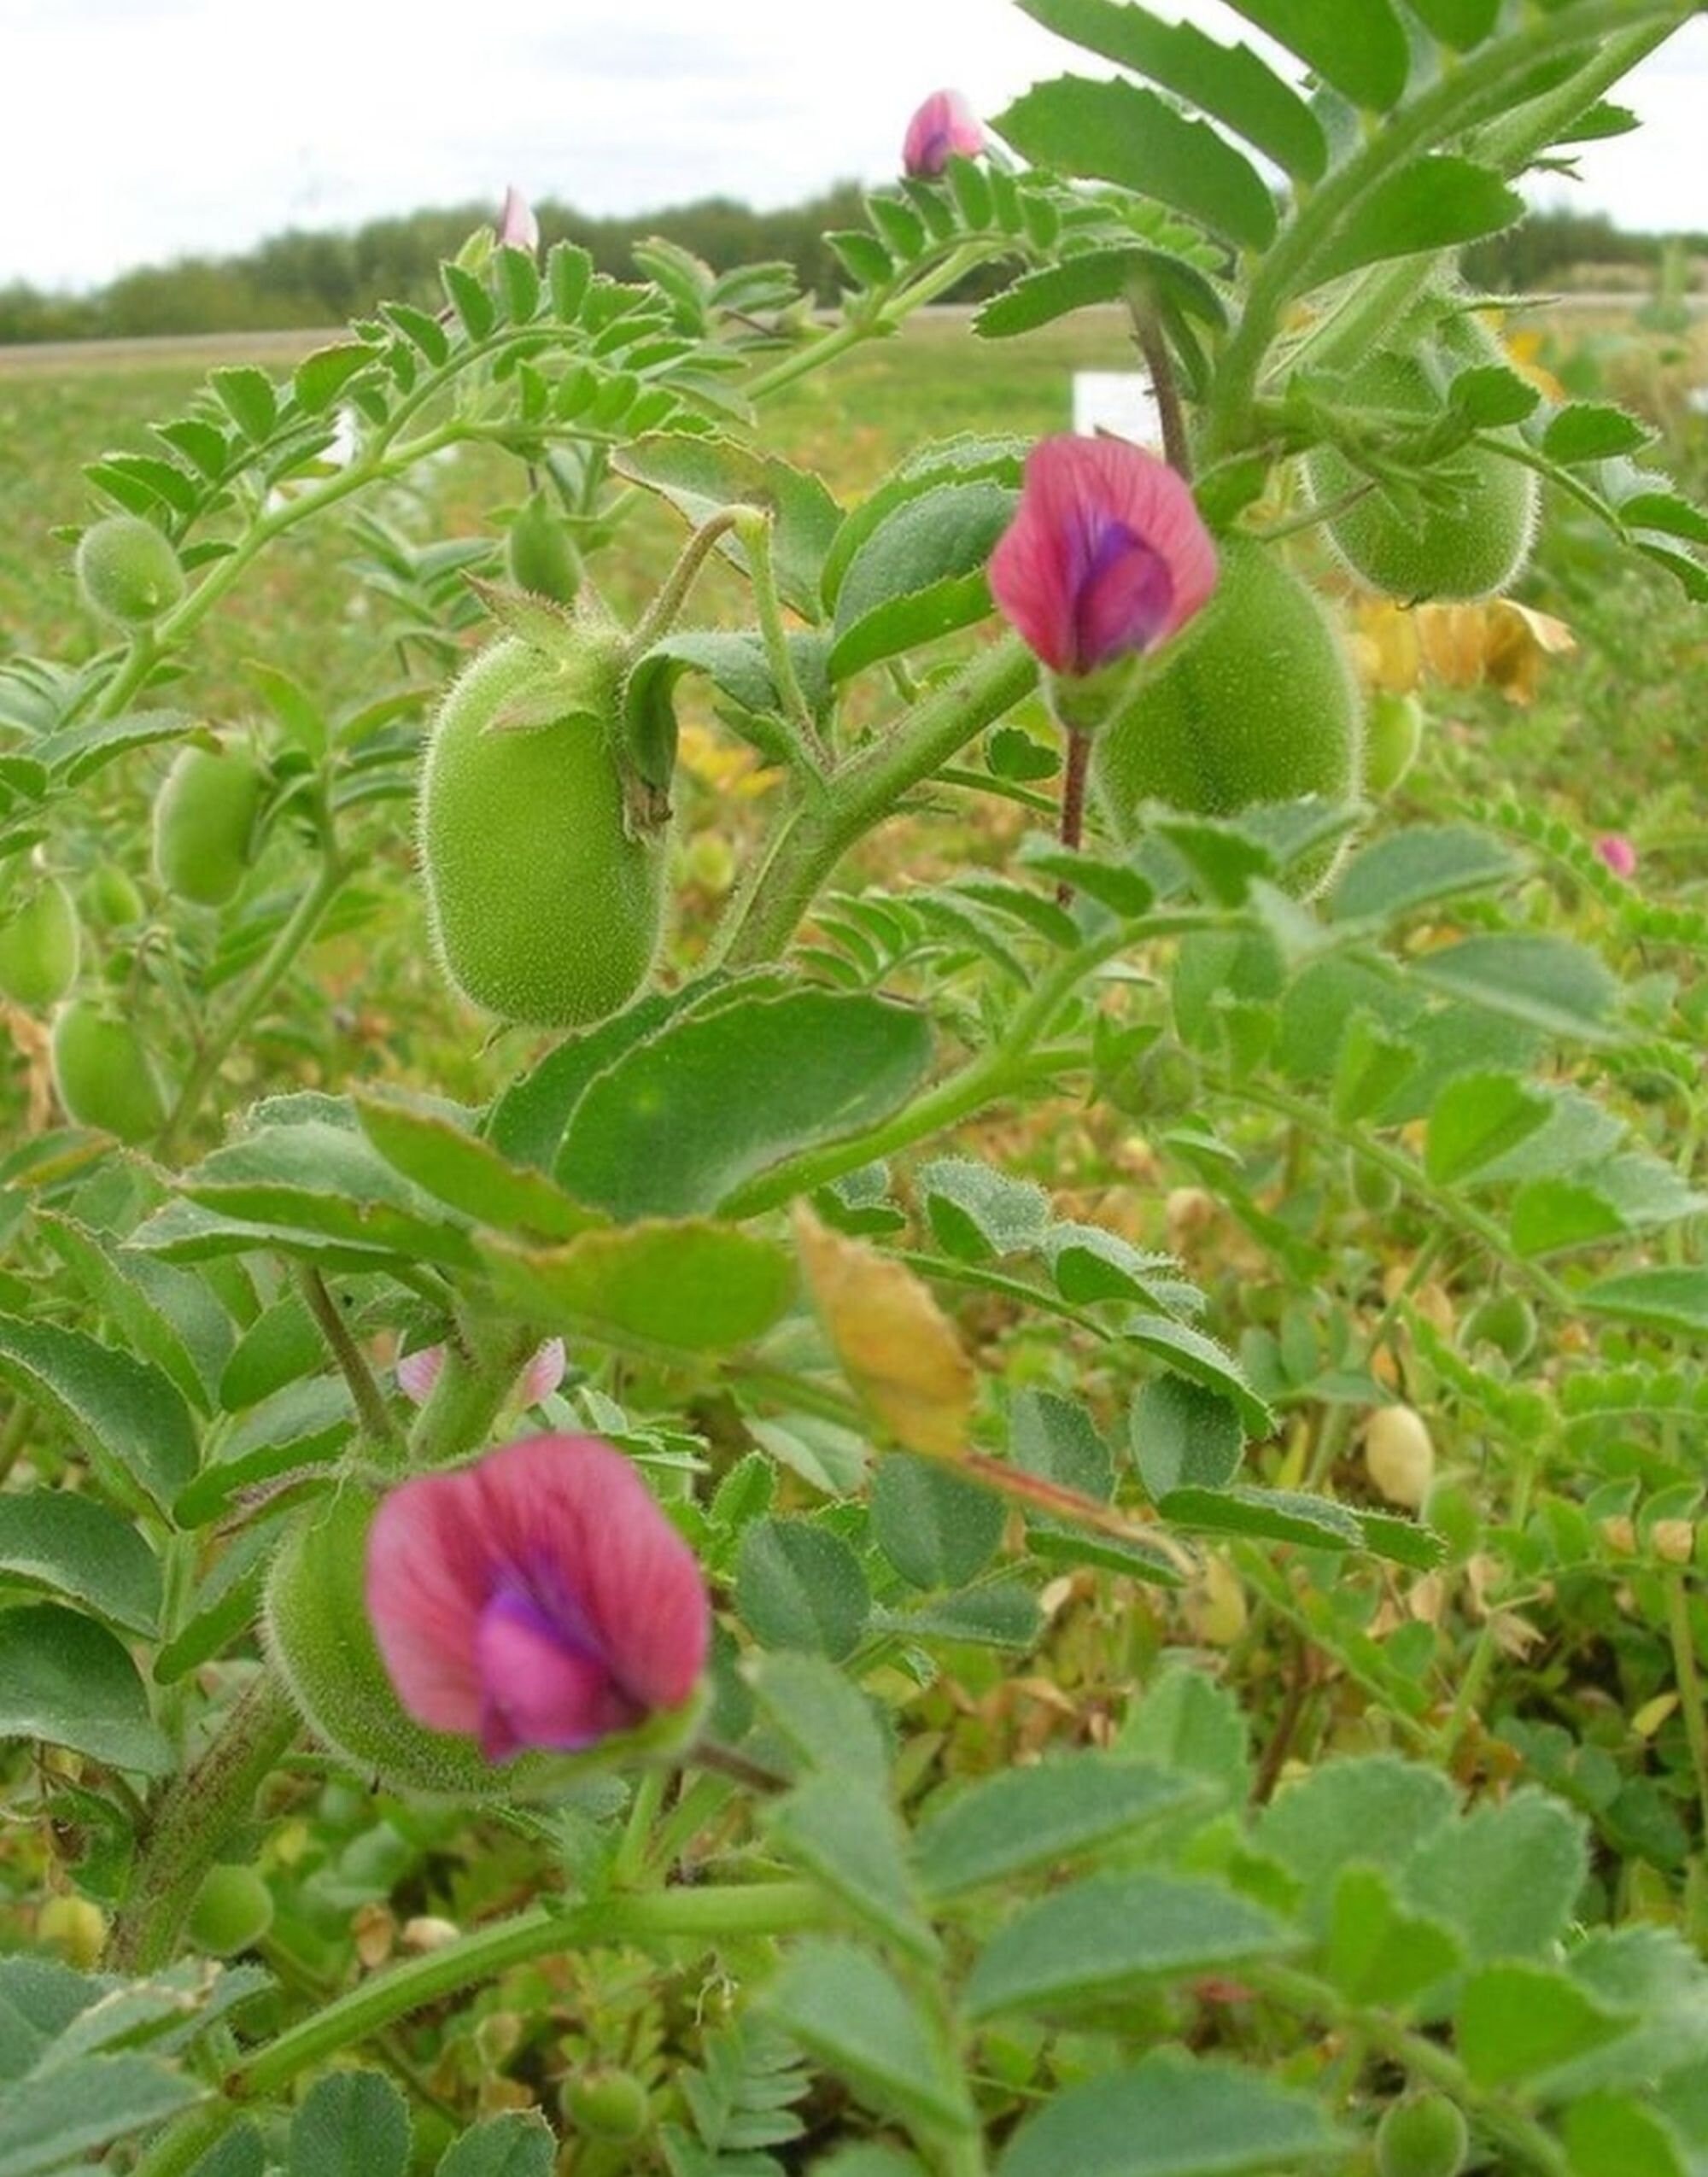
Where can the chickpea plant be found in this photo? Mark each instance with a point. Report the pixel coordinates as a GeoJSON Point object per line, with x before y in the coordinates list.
{"type": "Point", "coordinates": [681, 1587]}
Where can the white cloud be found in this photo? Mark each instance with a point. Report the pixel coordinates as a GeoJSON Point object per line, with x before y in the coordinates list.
{"type": "Point", "coordinates": [139, 130]}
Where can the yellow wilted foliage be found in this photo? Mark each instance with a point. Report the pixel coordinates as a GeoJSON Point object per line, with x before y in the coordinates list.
{"type": "Point", "coordinates": [896, 1347]}
{"type": "Point", "coordinates": [1398, 647]}
{"type": "Point", "coordinates": [726, 767]}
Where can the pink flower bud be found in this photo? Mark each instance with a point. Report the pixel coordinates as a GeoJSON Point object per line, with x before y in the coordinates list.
{"type": "Point", "coordinates": [537, 1598]}
{"type": "Point", "coordinates": [944, 128]}
{"type": "Point", "coordinates": [542, 1375]}
{"type": "Point", "coordinates": [1617, 852]}
{"type": "Point", "coordinates": [1107, 555]}
{"type": "Point", "coordinates": [417, 1373]}
{"type": "Point", "coordinates": [518, 228]}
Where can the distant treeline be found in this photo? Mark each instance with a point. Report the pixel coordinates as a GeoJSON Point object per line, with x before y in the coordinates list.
{"type": "Point", "coordinates": [304, 278]}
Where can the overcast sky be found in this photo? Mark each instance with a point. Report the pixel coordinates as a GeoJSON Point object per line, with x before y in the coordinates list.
{"type": "Point", "coordinates": [136, 131]}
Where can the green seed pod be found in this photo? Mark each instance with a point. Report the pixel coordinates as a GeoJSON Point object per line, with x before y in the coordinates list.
{"type": "Point", "coordinates": [38, 945]}
{"type": "Point", "coordinates": [608, 2104]}
{"type": "Point", "coordinates": [103, 1074]}
{"type": "Point", "coordinates": [127, 571]}
{"type": "Point", "coordinates": [1393, 730]}
{"type": "Point", "coordinates": [205, 823]}
{"type": "Point", "coordinates": [109, 899]}
{"type": "Point", "coordinates": [547, 890]}
{"type": "Point", "coordinates": [1426, 2137]}
{"type": "Point", "coordinates": [539, 555]}
{"type": "Point", "coordinates": [1253, 703]}
{"type": "Point", "coordinates": [233, 1910]}
{"type": "Point", "coordinates": [1507, 1321]}
{"type": "Point", "coordinates": [1474, 545]}
{"type": "Point", "coordinates": [320, 1640]}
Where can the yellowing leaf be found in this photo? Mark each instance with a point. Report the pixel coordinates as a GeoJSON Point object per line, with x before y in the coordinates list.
{"type": "Point", "coordinates": [1520, 642]}
{"type": "Point", "coordinates": [726, 767]}
{"type": "Point", "coordinates": [1385, 646]}
{"type": "Point", "coordinates": [1524, 351]}
{"type": "Point", "coordinates": [896, 1346]}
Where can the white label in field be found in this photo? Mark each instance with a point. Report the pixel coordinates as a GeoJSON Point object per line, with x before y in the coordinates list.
{"type": "Point", "coordinates": [1121, 402]}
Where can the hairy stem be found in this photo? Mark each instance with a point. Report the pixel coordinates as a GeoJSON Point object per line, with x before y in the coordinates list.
{"type": "Point", "coordinates": [812, 834]}
{"type": "Point", "coordinates": [192, 1821]}
{"type": "Point", "coordinates": [1623, 31]}
{"type": "Point", "coordinates": [272, 969]}
{"type": "Point", "coordinates": [379, 1428]}
{"type": "Point", "coordinates": [694, 1915]}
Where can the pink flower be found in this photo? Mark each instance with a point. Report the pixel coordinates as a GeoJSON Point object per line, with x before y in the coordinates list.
{"type": "Point", "coordinates": [944, 128]}
{"type": "Point", "coordinates": [1107, 555]}
{"type": "Point", "coordinates": [537, 1598]}
{"type": "Point", "coordinates": [417, 1373]}
{"type": "Point", "coordinates": [1617, 852]}
{"type": "Point", "coordinates": [518, 228]}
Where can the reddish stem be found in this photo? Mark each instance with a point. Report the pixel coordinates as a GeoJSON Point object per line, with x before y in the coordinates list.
{"type": "Point", "coordinates": [1073, 801]}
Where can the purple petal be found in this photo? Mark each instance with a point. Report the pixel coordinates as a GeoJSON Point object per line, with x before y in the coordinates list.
{"type": "Point", "coordinates": [945, 126]}
{"type": "Point", "coordinates": [1106, 553]}
{"type": "Point", "coordinates": [554, 1543]}
{"type": "Point", "coordinates": [538, 1688]}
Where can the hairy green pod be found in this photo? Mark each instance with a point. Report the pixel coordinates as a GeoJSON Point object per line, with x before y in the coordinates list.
{"type": "Point", "coordinates": [319, 1636]}
{"type": "Point", "coordinates": [231, 1912]}
{"type": "Point", "coordinates": [103, 1074]}
{"type": "Point", "coordinates": [545, 889]}
{"type": "Point", "coordinates": [1393, 731]}
{"type": "Point", "coordinates": [1254, 703]}
{"type": "Point", "coordinates": [127, 571]}
{"type": "Point", "coordinates": [1476, 545]}
{"type": "Point", "coordinates": [204, 823]}
{"type": "Point", "coordinates": [39, 947]}
{"type": "Point", "coordinates": [1425, 2137]}
{"type": "Point", "coordinates": [539, 555]}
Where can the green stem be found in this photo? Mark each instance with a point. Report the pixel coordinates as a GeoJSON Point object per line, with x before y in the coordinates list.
{"type": "Point", "coordinates": [1415, 1181]}
{"type": "Point", "coordinates": [274, 965]}
{"type": "Point", "coordinates": [193, 1820]}
{"type": "Point", "coordinates": [379, 1428]}
{"type": "Point", "coordinates": [661, 614]}
{"type": "Point", "coordinates": [468, 1397]}
{"type": "Point", "coordinates": [813, 835]}
{"type": "Point", "coordinates": [1533, 2147]}
{"type": "Point", "coordinates": [994, 1076]}
{"type": "Point", "coordinates": [877, 323]}
{"type": "Point", "coordinates": [1291, 265]}
{"type": "Point", "coordinates": [637, 1831]}
{"type": "Point", "coordinates": [698, 1916]}
{"type": "Point", "coordinates": [1683, 1636]}
{"type": "Point", "coordinates": [754, 526]}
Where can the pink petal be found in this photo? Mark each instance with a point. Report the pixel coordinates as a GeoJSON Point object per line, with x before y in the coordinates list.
{"type": "Point", "coordinates": [1106, 553]}
{"type": "Point", "coordinates": [944, 128]}
{"type": "Point", "coordinates": [576, 1521]}
{"type": "Point", "coordinates": [1617, 854]}
{"type": "Point", "coordinates": [542, 1375]}
{"type": "Point", "coordinates": [417, 1373]}
{"type": "Point", "coordinates": [429, 1577]}
{"type": "Point", "coordinates": [516, 225]}
{"type": "Point", "coordinates": [554, 1539]}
